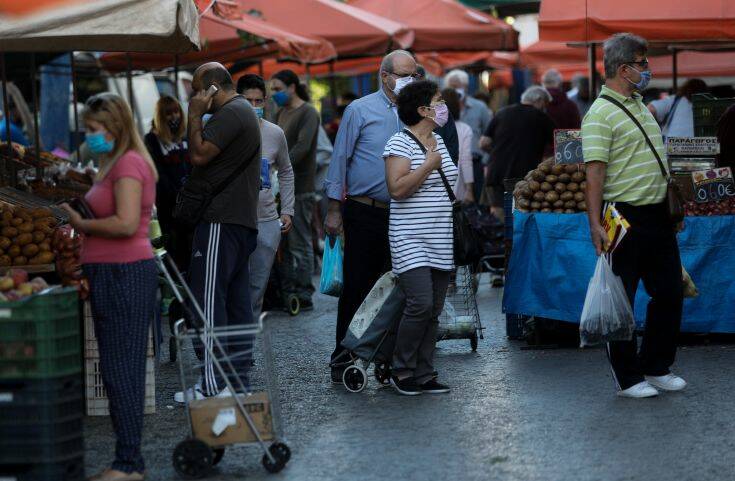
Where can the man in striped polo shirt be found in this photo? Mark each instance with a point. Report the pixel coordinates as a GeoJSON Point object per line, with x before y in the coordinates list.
{"type": "Point", "coordinates": [623, 169]}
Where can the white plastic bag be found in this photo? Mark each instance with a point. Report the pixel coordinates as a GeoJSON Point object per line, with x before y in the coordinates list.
{"type": "Point", "coordinates": [606, 315]}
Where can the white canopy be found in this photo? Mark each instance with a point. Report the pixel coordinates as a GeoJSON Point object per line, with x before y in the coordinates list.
{"type": "Point", "coordinates": [165, 26]}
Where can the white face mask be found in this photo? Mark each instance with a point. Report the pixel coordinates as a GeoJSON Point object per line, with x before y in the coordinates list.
{"type": "Point", "coordinates": [400, 83]}
{"type": "Point", "coordinates": [460, 92]}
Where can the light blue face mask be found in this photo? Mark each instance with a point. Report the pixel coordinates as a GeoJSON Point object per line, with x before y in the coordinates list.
{"type": "Point", "coordinates": [259, 111]}
{"type": "Point", "coordinates": [98, 144]}
{"type": "Point", "coordinates": [205, 118]}
{"type": "Point", "coordinates": [644, 81]}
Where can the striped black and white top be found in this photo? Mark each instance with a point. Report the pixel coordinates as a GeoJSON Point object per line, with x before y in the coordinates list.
{"type": "Point", "coordinates": [421, 225]}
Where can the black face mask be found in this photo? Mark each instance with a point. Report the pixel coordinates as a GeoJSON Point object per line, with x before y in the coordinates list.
{"type": "Point", "coordinates": [174, 125]}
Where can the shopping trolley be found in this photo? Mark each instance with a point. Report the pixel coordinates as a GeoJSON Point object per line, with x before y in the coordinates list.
{"type": "Point", "coordinates": [218, 422]}
{"type": "Point", "coordinates": [460, 318]}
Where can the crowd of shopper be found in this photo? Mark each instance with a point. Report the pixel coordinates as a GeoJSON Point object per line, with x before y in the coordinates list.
{"type": "Point", "coordinates": [397, 154]}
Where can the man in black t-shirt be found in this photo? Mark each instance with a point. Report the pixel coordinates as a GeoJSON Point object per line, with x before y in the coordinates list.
{"type": "Point", "coordinates": [516, 139]}
{"type": "Point", "coordinates": [226, 235]}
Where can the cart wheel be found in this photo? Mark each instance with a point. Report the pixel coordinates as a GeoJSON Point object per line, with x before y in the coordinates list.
{"type": "Point", "coordinates": [192, 458]}
{"type": "Point", "coordinates": [280, 455]}
{"type": "Point", "coordinates": [219, 453]}
{"type": "Point", "coordinates": [382, 373]}
{"type": "Point", "coordinates": [473, 342]}
{"type": "Point", "coordinates": [294, 305]}
{"type": "Point", "coordinates": [354, 378]}
{"type": "Point", "coordinates": [172, 349]}
{"type": "Point", "coordinates": [283, 448]}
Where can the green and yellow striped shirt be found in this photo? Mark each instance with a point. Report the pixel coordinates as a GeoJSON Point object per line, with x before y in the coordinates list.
{"type": "Point", "coordinates": [609, 135]}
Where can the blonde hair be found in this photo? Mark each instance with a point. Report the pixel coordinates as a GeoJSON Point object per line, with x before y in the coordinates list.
{"type": "Point", "coordinates": [160, 125]}
{"type": "Point", "coordinates": [113, 113]}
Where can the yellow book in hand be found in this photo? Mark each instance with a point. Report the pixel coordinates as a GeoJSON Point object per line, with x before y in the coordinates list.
{"type": "Point", "coordinates": [616, 227]}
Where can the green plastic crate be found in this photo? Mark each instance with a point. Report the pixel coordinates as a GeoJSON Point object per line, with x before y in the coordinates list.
{"type": "Point", "coordinates": [40, 336]}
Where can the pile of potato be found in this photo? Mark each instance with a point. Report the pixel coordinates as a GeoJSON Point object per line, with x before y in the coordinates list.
{"type": "Point", "coordinates": [25, 236]}
{"type": "Point", "coordinates": [557, 188]}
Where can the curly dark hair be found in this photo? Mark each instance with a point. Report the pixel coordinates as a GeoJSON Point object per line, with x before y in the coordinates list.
{"type": "Point", "coordinates": [412, 96]}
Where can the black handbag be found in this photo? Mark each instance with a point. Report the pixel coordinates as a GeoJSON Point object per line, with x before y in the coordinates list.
{"type": "Point", "coordinates": [194, 198]}
{"type": "Point", "coordinates": [467, 244]}
{"type": "Point", "coordinates": [674, 197]}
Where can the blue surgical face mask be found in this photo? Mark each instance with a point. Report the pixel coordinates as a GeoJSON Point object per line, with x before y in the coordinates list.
{"type": "Point", "coordinates": [205, 118]}
{"type": "Point", "coordinates": [98, 144]}
{"type": "Point", "coordinates": [259, 111]}
{"type": "Point", "coordinates": [643, 82]}
{"type": "Point", "coordinates": [280, 98]}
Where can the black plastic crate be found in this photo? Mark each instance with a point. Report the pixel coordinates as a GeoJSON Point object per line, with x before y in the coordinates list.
{"type": "Point", "coordinates": [18, 452]}
{"type": "Point", "coordinates": [30, 434]}
{"type": "Point", "coordinates": [707, 111]}
{"type": "Point", "coordinates": [41, 400]}
{"type": "Point", "coordinates": [71, 469]}
{"type": "Point", "coordinates": [515, 326]}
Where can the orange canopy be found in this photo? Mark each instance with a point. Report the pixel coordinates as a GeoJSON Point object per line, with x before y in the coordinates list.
{"type": "Point", "coordinates": [352, 31]}
{"type": "Point", "coordinates": [444, 25]}
{"type": "Point", "coordinates": [229, 39]}
{"type": "Point", "coordinates": [656, 20]}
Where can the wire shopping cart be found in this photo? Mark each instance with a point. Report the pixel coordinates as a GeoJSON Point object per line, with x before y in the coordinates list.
{"type": "Point", "coordinates": [460, 318]}
{"type": "Point", "coordinates": [217, 422]}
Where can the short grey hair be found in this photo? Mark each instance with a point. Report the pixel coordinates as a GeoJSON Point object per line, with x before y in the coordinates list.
{"type": "Point", "coordinates": [620, 49]}
{"type": "Point", "coordinates": [535, 94]}
{"type": "Point", "coordinates": [552, 79]}
{"type": "Point", "coordinates": [460, 75]}
{"type": "Point", "coordinates": [387, 64]}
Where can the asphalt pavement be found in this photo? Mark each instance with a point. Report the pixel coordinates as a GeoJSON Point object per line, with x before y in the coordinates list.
{"type": "Point", "coordinates": [513, 415]}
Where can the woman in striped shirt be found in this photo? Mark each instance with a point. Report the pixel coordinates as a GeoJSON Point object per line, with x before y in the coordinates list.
{"type": "Point", "coordinates": [421, 241]}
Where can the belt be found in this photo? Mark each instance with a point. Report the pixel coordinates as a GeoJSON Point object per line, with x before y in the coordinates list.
{"type": "Point", "coordinates": [362, 199]}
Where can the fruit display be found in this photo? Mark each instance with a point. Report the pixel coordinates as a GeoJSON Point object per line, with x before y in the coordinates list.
{"type": "Point", "coordinates": [15, 285]}
{"type": "Point", "coordinates": [25, 236]}
{"type": "Point", "coordinates": [67, 245]}
{"type": "Point", "coordinates": [557, 188]}
{"type": "Point", "coordinates": [723, 207]}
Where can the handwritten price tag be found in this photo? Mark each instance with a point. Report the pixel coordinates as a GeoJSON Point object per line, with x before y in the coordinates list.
{"type": "Point", "coordinates": [568, 146]}
{"type": "Point", "coordinates": [713, 185]}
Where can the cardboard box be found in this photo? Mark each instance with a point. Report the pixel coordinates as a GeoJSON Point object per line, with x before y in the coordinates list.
{"type": "Point", "coordinates": [205, 411]}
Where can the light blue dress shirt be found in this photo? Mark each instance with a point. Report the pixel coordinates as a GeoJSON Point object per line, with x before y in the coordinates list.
{"type": "Point", "coordinates": [358, 167]}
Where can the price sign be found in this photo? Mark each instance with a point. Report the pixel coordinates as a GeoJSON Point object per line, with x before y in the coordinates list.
{"type": "Point", "coordinates": [568, 146]}
{"type": "Point", "coordinates": [692, 146]}
{"type": "Point", "coordinates": [713, 185]}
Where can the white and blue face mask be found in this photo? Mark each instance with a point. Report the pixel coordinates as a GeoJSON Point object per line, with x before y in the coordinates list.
{"type": "Point", "coordinates": [643, 82]}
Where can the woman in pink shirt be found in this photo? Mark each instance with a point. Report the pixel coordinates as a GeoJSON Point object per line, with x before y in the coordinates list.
{"type": "Point", "coordinates": [117, 258]}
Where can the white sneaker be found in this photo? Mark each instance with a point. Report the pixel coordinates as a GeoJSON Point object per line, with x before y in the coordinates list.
{"type": "Point", "coordinates": [669, 382]}
{"type": "Point", "coordinates": [224, 393]}
{"type": "Point", "coordinates": [193, 393]}
{"type": "Point", "coordinates": [640, 390]}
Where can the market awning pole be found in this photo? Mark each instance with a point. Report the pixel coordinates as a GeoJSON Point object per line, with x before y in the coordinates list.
{"type": "Point", "coordinates": [130, 84]}
{"type": "Point", "coordinates": [593, 71]}
{"type": "Point", "coordinates": [76, 108]}
{"type": "Point", "coordinates": [36, 133]}
{"type": "Point", "coordinates": [332, 85]}
{"type": "Point", "coordinates": [675, 67]}
{"type": "Point", "coordinates": [176, 76]}
{"type": "Point", "coordinates": [260, 68]}
{"type": "Point", "coordinates": [6, 114]}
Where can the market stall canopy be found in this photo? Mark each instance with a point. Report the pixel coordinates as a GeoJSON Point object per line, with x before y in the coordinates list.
{"type": "Point", "coordinates": [657, 21]}
{"type": "Point", "coordinates": [443, 25]}
{"type": "Point", "coordinates": [436, 63]}
{"type": "Point", "coordinates": [103, 25]}
{"type": "Point", "coordinates": [229, 37]}
{"type": "Point", "coordinates": [352, 31]}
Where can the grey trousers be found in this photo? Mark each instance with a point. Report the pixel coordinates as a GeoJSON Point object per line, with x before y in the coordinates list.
{"type": "Point", "coordinates": [425, 290]}
{"type": "Point", "coordinates": [298, 257]}
{"type": "Point", "coordinates": [261, 262]}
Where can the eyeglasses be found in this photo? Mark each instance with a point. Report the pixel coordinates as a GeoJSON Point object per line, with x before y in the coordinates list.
{"type": "Point", "coordinates": [414, 76]}
{"type": "Point", "coordinates": [642, 63]}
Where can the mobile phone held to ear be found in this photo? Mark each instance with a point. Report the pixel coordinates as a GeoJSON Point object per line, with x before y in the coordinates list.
{"type": "Point", "coordinates": [212, 90]}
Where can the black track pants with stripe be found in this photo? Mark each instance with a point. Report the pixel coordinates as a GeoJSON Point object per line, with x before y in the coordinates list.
{"type": "Point", "coordinates": [220, 280]}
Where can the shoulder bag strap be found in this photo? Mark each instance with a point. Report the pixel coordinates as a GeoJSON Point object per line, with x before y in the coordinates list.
{"type": "Point", "coordinates": [640, 127]}
{"type": "Point", "coordinates": [670, 115]}
{"type": "Point", "coordinates": [448, 187]}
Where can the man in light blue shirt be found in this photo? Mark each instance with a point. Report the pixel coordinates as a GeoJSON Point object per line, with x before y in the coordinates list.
{"type": "Point", "coordinates": [358, 195]}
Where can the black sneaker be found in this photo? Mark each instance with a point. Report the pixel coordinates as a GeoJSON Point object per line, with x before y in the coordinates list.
{"type": "Point", "coordinates": [407, 387]}
{"type": "Point", "coordinates": [434, 387]}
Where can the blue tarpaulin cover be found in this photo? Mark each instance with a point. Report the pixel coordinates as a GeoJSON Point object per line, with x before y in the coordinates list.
{"type": "Point", "coordinates": [553, 261]}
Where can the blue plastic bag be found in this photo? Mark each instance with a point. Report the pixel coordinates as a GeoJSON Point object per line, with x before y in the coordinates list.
{"type": "Point", "coordinates": [331, 279]}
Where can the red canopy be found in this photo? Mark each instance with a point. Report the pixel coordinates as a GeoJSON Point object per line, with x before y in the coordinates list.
{"type": "Point", "coordinates": [443, 25]}
{"type": "Point", "coordinates": [655, 20]}
{"type": "Point", "coordinates": [232, 38]}
{"type": "Point", "coordinates": [352, 31]}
